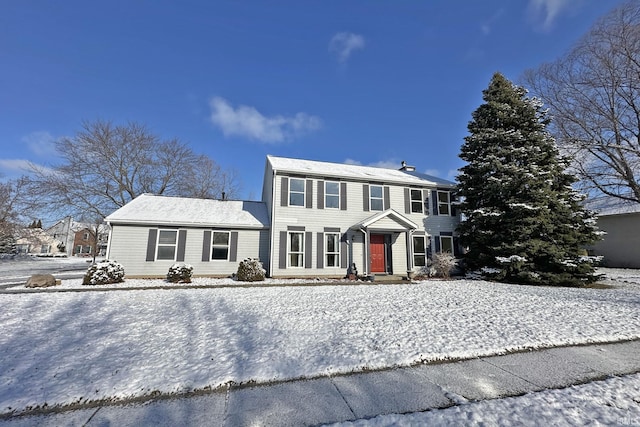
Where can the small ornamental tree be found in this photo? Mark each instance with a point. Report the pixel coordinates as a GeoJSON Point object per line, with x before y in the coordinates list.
{"type": "Point", "coordinates": [522, 221]}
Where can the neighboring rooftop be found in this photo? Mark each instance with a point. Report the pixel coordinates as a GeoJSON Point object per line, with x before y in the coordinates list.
{"type": "Point", "coordinates": [366, 173]}
{"type": "Point", "coordinates": [165, 210]}
{"type": "Point", "coordinates": [607, 205]}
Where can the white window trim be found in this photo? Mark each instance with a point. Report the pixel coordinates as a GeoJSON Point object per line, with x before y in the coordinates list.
{"type": "Point", "coordinates": [413, 248]}
{"type": "Point", "coordinates": [326, 194]}
{"type": "Point", "coordinates": [447, 203]}
{"type": "Point", "coordinates": [381, 198]}
{"type": "Point", "coordinates": [304, 192]}
{"type": "Point", "coordinates": [175, 245]}
{"type": "Point", "coordinates": [441, 246]}
{"type": "Point", "coordinates": [213, 245]}
{"type": "Point", "coordinates": [290, 252]}
{"type": "Point", "coordinates": [412, 200]}
{"type": "Point", "coordinates": [335, 253]}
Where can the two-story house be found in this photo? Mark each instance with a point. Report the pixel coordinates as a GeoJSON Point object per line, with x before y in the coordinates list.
{"type": "Point", "coordinates": [316, 219]}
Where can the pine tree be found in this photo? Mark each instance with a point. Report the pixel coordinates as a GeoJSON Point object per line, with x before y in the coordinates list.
{"type": "Point", "coordinates": [7, 244]}
{"type": "Point", "coordinates": [523, 222]}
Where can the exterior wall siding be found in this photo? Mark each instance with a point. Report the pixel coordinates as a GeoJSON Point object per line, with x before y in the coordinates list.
{"type": "Point", "coordinates": [129, 247]}
{"type": "Point", "coordinates": [620, 247]}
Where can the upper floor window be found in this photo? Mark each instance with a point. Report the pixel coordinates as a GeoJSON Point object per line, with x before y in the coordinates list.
{"type": "Point", "coordinates": [332, 249]}
{"type": "Point", "coordinates": [331, 194]}
{"type": "Point", "coordinates": [296, 192]}
{"type": "Point", "coordinates": [85, 236]}
{"type": "Point", "coordinates": [416, 201]}
{"type": "Point", "coordinates": [296, 249]}
{"type": "Point", "coordinates": [167, 242]}
{"type": "Point", "coordinates": [444, 203]}
{"type": "Point", "coordinates": [419, 251]}
{"type": "Point", "coordinates": [220, 245]}
{"type": "Point", "coordinates": [376, 200]}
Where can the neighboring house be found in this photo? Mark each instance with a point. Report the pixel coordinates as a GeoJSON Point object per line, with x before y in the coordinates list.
{"type": "Point", "coordinates": [74, 238]}
{"type": "Point", "coordinates": [35, 241]}
{"type": "Point", "coordinates": [316, 219]}
{"type": "Point", "coordinates": [620, 220]}
{"type": "Point", "coordinates": [85, 244]}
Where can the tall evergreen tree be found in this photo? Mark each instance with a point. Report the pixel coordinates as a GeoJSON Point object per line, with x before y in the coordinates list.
{"type": "Point", "coordinates": [523, 222]}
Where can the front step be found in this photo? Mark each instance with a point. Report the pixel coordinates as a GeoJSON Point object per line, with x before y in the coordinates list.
{"type": "Point", "coordinates": [387, 278]}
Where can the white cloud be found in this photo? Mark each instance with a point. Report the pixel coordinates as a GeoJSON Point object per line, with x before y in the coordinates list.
{"type": "Point", "coordinates": [40, 143]}
{"type": "Point", "coordinates": [246, 121]}
{"type": "Point", "coordinates": [343, 44]}
{"type": "Point", "coordinates": [545, 12]}
{"type": "Point", "coordinates": [432, 172]}
{"type": "Point", "coordinates": [12, 166]}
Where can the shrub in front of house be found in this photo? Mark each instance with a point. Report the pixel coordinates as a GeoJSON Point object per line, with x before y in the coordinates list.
{"type": "Point", "coordinates": [250, 270]}
{"type": "Point", "coordinates": [104, 273]}
{"type": "Point", "coordinates": [180, 273]}
{"type": "Point", "coordinates": [443, 263]}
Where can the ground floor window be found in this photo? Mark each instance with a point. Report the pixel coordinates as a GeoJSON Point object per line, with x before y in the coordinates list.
{"type": "Point", "coordinates": [332, 249]}
{"type": "Point", "coordinates": [295, 252]}
{"type": "Point", "coordinates": [220, 245]}
{"type": "Point", "coordinates": [419, 251]}
{"type": "Point", "coordinates": [446, 244]}
{"type": "Point", "coordinates": [167, 242]}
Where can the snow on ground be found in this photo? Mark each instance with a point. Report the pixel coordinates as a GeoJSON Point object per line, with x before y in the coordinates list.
{"type": "Point", "coordinates": [614, 402]}
{"type": "Point", "coordinates": [65, 347]}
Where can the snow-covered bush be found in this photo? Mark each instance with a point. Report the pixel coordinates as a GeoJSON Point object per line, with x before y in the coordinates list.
{"type": "Point", "coordinates": [443, 263]}
{"type": "Point", "coordinates": [104, 273]}
{"type": "Point", "coordinates": [250, 270]}
{"type": "Point", "coordinates": [180, 273]}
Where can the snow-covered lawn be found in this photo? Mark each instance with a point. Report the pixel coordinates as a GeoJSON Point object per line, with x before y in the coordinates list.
{"type": "Point", "coordinates": [614, 402]}
{"type": "Point", "coordinates": [65, 347]}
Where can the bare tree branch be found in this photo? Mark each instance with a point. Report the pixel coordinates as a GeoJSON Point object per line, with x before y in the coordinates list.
{"type": "Point", "coordinates": [593, 94]}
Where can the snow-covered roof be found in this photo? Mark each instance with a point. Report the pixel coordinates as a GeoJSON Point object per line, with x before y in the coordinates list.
{"type": "Point", "coordinates": [364, 173]}
{"type": "Point", "coordinates": [606, 206]}
{"type": "Point", "coordinates": [164, 210]}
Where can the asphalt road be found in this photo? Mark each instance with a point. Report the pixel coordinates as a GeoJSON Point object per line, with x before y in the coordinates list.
{"type": "Point", "coordinates": [18, 270]}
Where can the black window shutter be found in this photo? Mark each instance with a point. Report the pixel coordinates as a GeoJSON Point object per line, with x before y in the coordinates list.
{"type": "Point", "coordinates": [344, 251]}
{"type": "Point", "coordinates": [452, 199]}
{"type": "Point", "coordinates": [206, 246]}
{"type": "Point", "coordinates": [365, 197]}
{"type": "Point", "coordinates": [233, 246]}
{"type": "Point", "coordinates": [434, 196]}
{"type": "Point", "coordinates": [283, 250]}
{"type": "Point", "coordinates": [309, 195]}
{"type": "Point", "coordinates": [407, 201]}
{"type": "Point", "coordinates": [456, 247]}
{"type": "Point", "coordinates": [320, 194]}
{"type": "Point", "coordinates": [343, 196]}
{"type": "Point", "coordinates": [320, 244]}
{"type": "Point", "coordinates": [307, 249]}
{"type": "Point", "coordinates": [436, 240]}
{"type": "Point", "coordinates": [151, 244]}
{"type": "Point", "coordinates": [182, 241]}
{"type": "Point", "coordinates": [284, 191]}
{"type": "Point", "coordinates": [386, 201]}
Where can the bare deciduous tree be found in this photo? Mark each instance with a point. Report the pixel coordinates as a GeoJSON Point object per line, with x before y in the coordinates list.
{"type": "Point", "coordinates": [12, 208]}
{"type": "Point", "coordinates": [593, 94]}
{"type": "Point", "coordinates": [104, 166]}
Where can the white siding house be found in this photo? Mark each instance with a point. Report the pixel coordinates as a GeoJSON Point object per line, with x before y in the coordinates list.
{"type": "Point", "coordinates": [151, 233]}
{"type": "Point", "coordinates": [316, 219]}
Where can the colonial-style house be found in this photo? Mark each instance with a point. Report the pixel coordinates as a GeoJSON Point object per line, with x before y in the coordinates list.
{"type": "Point", "coordinates": [316, 219]}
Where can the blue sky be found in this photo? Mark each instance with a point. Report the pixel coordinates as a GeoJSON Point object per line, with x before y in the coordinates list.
{"type": "Point", "coordinates": [365, 82]}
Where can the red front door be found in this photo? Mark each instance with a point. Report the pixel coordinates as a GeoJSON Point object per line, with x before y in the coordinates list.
{"type": "Point", "coordinates": [376, 249]}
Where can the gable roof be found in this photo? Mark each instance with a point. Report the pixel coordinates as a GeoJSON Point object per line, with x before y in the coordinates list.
{"type": "Point", "coordinates": [389, 213]}
{"type": "Point", "coordinates": [363, 173]}
{"type": "Point", "coordinates": [182, 211]}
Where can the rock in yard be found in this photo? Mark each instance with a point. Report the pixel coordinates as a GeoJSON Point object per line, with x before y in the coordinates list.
{"type": "Point", "coordinates": [42, 281]}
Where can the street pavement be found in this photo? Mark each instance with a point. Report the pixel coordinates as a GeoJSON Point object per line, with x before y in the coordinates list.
{"type": "Point", "coordinates": [363, 395]}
